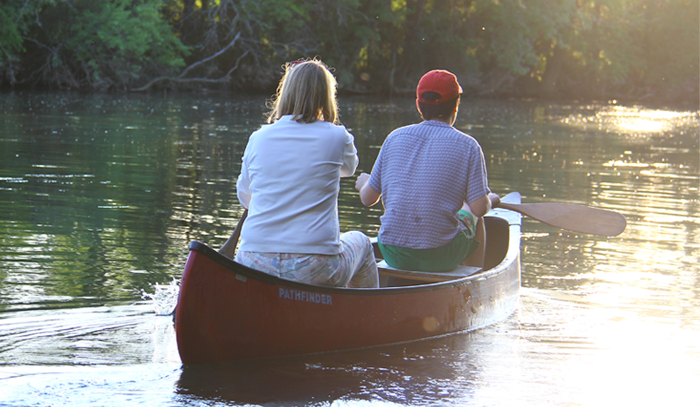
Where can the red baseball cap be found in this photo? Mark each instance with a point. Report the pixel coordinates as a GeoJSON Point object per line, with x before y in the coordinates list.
{"type": "Point", "coordinates": [439, 81]}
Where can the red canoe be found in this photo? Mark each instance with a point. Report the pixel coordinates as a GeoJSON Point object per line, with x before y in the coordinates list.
{"type": "Point", "coordinates": [229, 312]}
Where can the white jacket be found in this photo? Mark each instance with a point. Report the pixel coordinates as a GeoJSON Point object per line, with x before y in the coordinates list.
{"type": "Point", "coordinates": [289, 181]}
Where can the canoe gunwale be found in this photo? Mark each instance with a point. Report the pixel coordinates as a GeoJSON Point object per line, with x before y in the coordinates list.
{"type": "Point", "coordinates": [512, 255]}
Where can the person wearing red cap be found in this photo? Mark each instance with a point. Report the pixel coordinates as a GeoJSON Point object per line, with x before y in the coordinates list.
{"type": "Point", "coordinates": [432, 180]}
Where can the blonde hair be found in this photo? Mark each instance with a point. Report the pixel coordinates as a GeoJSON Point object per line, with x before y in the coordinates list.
{"type": "Point", "coordinates": [307, 91]}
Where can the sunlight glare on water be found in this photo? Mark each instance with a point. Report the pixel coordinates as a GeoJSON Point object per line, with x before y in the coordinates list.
{"type": "Point", "coordinates": [634, 364]}
{"type": "Point", "coordinates": [632, 119]}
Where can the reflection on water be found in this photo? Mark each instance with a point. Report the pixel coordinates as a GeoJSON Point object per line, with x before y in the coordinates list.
{"type": "Point", "coordinates": [102, 194]}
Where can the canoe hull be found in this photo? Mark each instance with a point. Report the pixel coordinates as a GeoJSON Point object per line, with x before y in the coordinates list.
{"type": "Point", "coordinates": [229, 312]}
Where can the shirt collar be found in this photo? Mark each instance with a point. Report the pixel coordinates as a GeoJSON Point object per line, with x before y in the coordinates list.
{"type": "Point", "coordinates": [436, 123]}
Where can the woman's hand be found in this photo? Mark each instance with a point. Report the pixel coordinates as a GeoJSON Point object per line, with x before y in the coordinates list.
{"type": "Point", "coordinates": [361, 181]}
{"type": "Point", "coordinates": [368, 195]}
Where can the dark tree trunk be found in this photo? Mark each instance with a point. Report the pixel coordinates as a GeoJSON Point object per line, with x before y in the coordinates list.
{"type": "Point", "coordinates": [552, 72]}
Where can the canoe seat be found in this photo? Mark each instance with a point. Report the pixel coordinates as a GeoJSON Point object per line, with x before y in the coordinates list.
{"type": "Point", "coordinates": [459, 272]}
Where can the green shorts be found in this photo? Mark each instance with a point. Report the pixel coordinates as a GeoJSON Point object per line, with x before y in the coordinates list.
{"type": "Point", "coordinates": [444, 258]}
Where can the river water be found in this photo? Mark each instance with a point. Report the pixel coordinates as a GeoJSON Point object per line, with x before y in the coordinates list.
{"type": "Point", "coordinates": [101, 195]}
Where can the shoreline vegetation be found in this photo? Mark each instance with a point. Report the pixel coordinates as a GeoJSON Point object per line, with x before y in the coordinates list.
{"type": "Point", "coordinates": [641, 50]}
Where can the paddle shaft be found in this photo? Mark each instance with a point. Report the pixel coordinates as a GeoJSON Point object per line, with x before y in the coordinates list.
{"type": "Point", "coordinates": [229, 248]}
{"type": "Point", "coordinates": [576, 218]}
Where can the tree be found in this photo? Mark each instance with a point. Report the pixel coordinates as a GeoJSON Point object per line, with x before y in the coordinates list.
{"type": "Point", "coordinates": [14, 17]}
{"type": "Point", "coordinates": [251, 38]}
{"type": "Point", "coordinates": [575, 48]}
{"type": "Point", "coordinates": [672, 44]}
{"type": "Point", "coordinates": [87, 44]}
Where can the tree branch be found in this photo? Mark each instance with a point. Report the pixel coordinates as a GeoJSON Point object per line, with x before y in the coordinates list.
{"type": "Point", "coordinates": [180, 78]}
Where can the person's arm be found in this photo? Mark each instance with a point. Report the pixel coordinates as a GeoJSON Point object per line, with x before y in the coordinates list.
{"type": "Point", "coordinates": [350, 159]}
{"type": "Point", "coordinates": [480, 206]}
{"type": "Point", "coordinates": [243, 181]}
{"type": "Point", "coordinates": [495, 200]}
{"type": "Point", "coordinates": [368, 195]}
{"type": "Point", "coordinates": [478, 182]}
{"type": "Point", "coordinates": [243, 192]}
{"type": "Point", "coordinates": [244, 196]}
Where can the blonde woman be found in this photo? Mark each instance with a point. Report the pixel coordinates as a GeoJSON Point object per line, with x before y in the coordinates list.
{"type": "Point", "coordinates": [290, 180]}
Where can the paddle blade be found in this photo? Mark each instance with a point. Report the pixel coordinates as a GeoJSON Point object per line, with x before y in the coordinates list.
{"type": "Point", "coordinates": [576, 218]}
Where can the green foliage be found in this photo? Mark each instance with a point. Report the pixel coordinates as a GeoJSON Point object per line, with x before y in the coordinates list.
{"type": "Point", "coordinates": [565, 47]}
{"type": "Point", "coordinates": [10, 39]}
{"type": "Point", "coordinates": [116, 43]}
{"type": "Point", "coordinates": [672, 41]}
{"type": "Point", "coordinates": [15, 22]}
{"type": "Point", "coordinates": [517, 34]}
{"type": "Point", "coordinates": [605, 41]}
{"type": "Point", "coordinates": [100, 45]}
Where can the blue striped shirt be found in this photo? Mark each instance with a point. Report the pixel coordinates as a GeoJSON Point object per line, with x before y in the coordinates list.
{"type": "Point", "coordinates": [425, 172]}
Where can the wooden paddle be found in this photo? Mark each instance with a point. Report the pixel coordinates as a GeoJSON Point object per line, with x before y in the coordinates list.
{"type": "Point", "coordinates": [229, 248]}
{"type": "Point", "coordinates": [576, 218]}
